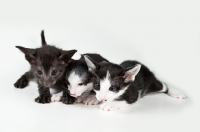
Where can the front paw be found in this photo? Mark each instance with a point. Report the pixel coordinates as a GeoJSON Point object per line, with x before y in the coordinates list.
{"type": "Point", "coordinates": [91, 100]}
{"type": "Point", "coordinates": [43, 99]}
{"type": "Point", "coordinates": [108, 107]}
{"type": "Point", "coordinates": [21, 83]}
{"type": "Point", "coordinates": [79, 100]}
{"type": "Point", "coordinates": [68, 99]}
{"type": "Point", "coordinates": [55, 98]}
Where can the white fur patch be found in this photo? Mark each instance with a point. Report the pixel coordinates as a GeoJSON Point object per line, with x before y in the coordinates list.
{"type": "Point", "coordinates": [56, 97]}
{"type": "Point", "coordinates": [113, 105]}
{"type": "Point", "coordinates": [74, 87]}
{"type": "Point", "coordinates": [175, 93]}
{"type": "Point", "coordinates": [104, 87]}
{"type": "Point", "coordinates": [164, 88]}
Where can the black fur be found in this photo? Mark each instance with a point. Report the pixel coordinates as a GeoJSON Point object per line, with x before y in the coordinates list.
{"type": "Point", "coordinates": [145, 81]}
{"type": "Point", "coordinates": [46, 60]}
{"type": "Point", "coordinates": [43, 38]}
{"type": "Point", "coordinates": [81, 69]}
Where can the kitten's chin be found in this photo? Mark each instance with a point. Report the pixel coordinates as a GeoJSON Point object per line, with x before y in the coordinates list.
{"type": "Point", "coordinates": [47, 84]}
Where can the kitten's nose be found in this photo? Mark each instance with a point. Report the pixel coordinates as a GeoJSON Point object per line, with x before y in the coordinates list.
{"type": "Point", "coordinates": [46, 84]}
{"type": "Point", "coordinates": [102, 99]}
{"type": "Point", "coordinates": [73, 95]}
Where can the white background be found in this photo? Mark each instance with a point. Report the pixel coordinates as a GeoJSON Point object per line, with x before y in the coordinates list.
{"type": "Point", "coordinates": [162, 34]}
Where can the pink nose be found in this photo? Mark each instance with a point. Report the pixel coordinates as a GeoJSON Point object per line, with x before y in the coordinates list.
{"type": "Point", "coordinates": [102, 99]}
{"type": "Point", "coordinates": [74, 95]}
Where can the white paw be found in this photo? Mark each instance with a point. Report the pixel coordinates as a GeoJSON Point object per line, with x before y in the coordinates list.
{"type": "Point", "coordinates": [176, 94]}
{"type": "Point", "coordinates": [91, 100]}
{"type": "Point", "coordinates": [108, 107]}
{"type": "Point", "coordinates": [55, 98]}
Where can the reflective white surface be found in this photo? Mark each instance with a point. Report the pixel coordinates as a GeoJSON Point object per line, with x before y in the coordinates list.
{"type": "Point", "coordinates": [164, 35]}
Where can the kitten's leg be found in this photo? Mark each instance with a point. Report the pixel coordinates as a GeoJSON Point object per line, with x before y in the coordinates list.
{"type": "Point", "coordinates": [79, 99]}
{"type": "Point", "coordinates": [45, 96]}
{"type": "Point", "coordinates": [175, 93]}
{"type": "Point", "coordinates": [23, 81]}
{"type": "Point", "coordinates": [113, 105]}
{"type": "Point", "coordinates": [91, 100]}
{"type": "Point", "coordinates": [157, 86]}
{"type": "Point", "coordinates": [56, 97]}
{"type": "Point", "coordinates": [67, 99]}
{"type": "Point", "coordinates": [125, 100]}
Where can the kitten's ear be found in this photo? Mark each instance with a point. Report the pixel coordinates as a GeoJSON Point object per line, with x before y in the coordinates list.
{"type": "Point", "coordinates": [92, 65]}
{"type": "Point", "coordinates": [130, 73]}
{"type": "Point", "coordinates": [43, 38]}
{"type": "Point", "coordinates": [28, 53]}
{"type": "Point", "coordinates": [67, 55]}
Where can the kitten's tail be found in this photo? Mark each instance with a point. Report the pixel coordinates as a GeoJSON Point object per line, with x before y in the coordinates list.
{"type": "Point", "coordinates": [172, 92]}
{"type": "Point", "coordinates": [43, 38]}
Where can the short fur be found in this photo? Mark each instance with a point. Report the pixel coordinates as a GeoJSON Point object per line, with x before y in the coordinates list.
{"type": "Point", "coordinates": [123, 84]}
{"type": "Point", "coordinates": [48, 68]}
{"type": "Point", "coordinates": [77, 71]}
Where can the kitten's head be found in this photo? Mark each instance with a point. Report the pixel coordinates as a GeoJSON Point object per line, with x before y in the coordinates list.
{"type": "Point", "coordinates": [47, 63]}
{"type": "Point", "coordinates": [110, 80]}
{"type": "Point", "coordinates": [78, 78]}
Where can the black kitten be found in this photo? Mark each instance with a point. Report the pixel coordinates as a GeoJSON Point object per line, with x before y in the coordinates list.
{"type": "Point", "coordinates": [48, 68]}
{"type": "Point", "coordinates": [118, 86]}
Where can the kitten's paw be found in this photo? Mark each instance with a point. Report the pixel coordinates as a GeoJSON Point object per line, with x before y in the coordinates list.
{"type": "Point", "coordinates": [43, 99]}
{"type": "Point", "coordinates": [107, 107]}
{"type": "Point", "coordinates": [91, 100]}
{"type": "Point", "coordinates": [21, 83]}
{"type": "Point", "coordinates": [79, 100]}
{"type": "Point", "coordinates": [68, 99]}
{"type": "Point", "coordinates": [176, 94]}
{"type": "Point", "coordinates": [56, 98]}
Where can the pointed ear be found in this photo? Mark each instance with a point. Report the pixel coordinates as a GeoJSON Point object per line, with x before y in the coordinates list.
{"type": "Point", "coordinates": [28, 53]}
{"type": "Point", "coordinates": [92, 65]}
{"type": "Point", "coordinates": [67, 55]}
{"type": "Point", "coordinates": [130, 73]}
{"type": "Point", "coordinates": [43, 38]}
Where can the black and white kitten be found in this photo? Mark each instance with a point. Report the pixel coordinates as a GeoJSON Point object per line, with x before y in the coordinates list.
{"type": "Point", "coordinates": [79, 80]}
{"type": "Point", "coordinates": [118, 86]}
{"type": "Point", "coordinates": [48, 68]}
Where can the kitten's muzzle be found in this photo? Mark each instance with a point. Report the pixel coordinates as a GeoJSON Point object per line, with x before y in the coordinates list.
{"type": "Point", "coordinates": [102, 99]}
{"type": "Point", "coordinates": [73, 95]}
{"type": "Point", "coordinates": [47, 84]}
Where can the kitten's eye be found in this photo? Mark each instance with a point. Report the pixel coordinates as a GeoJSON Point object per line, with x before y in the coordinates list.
{"type": "Point", "coordinates": [80, 84]}
{"type": "Point", "coordinates": [112, 88]}
{"type": "Point", "coordinates": [54, 73]}
{"type": "Point", "coordinates": [97, 86]}
{"type": "Point", "coordinates": [39, 72]}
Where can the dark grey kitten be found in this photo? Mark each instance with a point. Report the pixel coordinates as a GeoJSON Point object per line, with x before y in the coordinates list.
{"type": "Point", "coordinates": [48, 68]}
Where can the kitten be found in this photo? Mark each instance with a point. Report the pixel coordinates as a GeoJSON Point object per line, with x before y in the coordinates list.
{"type": "Point", "coordinates": [118, 86]}
{"type": "Point", "coordinates": [48, 68]}
{"type": "Point", "coordinates": [79, 80]}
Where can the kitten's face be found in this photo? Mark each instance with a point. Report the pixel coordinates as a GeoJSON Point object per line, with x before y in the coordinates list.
{"type": "Point", "coordinates": [109, 83]}
{"type": "Point", "coordinates": [79, 80]}
{"type": "Point", "coordinates": [48, 76]}
{"type": "Point", "coordinates": [111, 80]}
{"type": "Point", "coordinates": [47, 63]}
